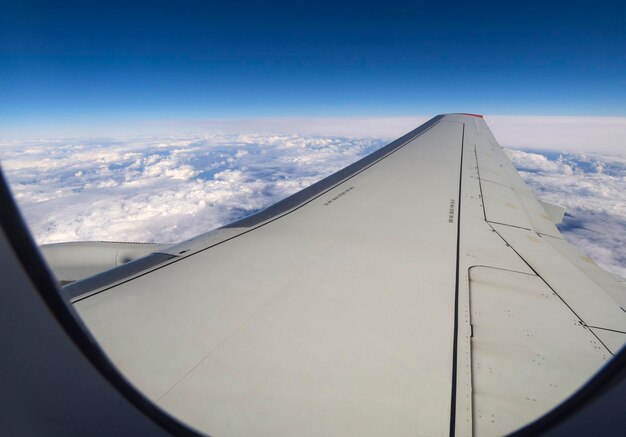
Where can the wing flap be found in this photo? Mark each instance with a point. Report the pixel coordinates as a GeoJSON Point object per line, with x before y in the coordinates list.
{"type": "Point", "coordinates": [503, 206]}
{"type": "Point", "coordinates": [528, 349]}
{"type": "Point", "coordinates": [555, 212]}
{"type": "Point", "coordinates": [593, 304]}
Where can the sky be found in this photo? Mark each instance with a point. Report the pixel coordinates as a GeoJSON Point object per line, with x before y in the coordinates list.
{"type": "Point", "coordinates": [67, 68]}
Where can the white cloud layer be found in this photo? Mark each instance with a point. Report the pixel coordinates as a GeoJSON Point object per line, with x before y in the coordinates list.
{"type": "Point", "coordinates": [170, 188]}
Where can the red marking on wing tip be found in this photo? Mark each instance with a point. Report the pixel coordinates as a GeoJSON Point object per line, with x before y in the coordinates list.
{"type": "Point", "coordinates": [473, 115]}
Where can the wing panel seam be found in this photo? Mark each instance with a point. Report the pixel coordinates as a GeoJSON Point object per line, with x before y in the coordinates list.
{"type": "Point", "coordinates": [581, 321]}
{"type": "Point", "coordinates": [456, 296]}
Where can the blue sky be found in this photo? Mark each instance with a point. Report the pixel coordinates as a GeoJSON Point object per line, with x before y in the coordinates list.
{"type": "Point", "coordinates": [65, 65]}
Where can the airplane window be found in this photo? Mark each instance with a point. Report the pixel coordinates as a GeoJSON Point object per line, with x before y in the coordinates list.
{"type": "Point", "coordinates": [270, 284]}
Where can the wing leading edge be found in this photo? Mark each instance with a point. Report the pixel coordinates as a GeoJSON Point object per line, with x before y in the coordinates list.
{"type": "Point", "coordinates": [423, 290]}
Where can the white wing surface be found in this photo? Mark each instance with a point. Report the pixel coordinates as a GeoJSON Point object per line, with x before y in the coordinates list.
{"type": "Point", "coordinates": [421, 291]}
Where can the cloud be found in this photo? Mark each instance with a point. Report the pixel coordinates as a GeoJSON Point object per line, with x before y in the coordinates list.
{"type": "Point", "coordinates": [536, 163]}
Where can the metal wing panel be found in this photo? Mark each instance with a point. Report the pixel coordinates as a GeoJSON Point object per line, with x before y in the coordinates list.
{"type": "Point", "coordinates": [517, 368]}
{"type": "Point", "coordinates": [503, 206]}
{"type": "Point", "coordinates": [592, 303]}
{"type": "Point", "coordinates": [498, 179]}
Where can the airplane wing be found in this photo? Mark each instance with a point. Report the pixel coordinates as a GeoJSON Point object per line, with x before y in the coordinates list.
{"type": "Point", "coordinates": [423, 290]}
